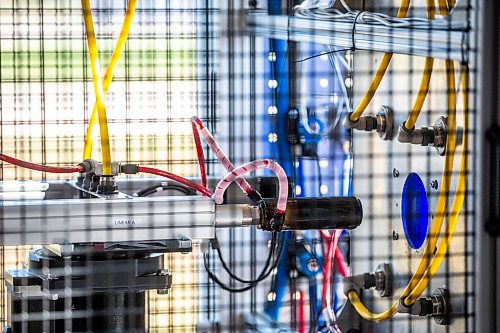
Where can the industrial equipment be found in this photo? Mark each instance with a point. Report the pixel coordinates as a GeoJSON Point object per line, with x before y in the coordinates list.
{"type": "Point", "coordinates": [261, 166]}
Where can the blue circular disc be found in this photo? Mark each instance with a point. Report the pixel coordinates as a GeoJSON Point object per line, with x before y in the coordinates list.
{"type": "Point", "coordinates": [414, 211]}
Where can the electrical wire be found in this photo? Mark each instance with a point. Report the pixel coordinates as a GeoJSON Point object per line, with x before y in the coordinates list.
{"type": "Point", "coordinates": [164, 187]}
{"type": "Point", "coordinates": [228, 269]}
{"type": "Point", "coordinates": [39, 167]}
{"type": "Point", "coordinates": [108, 75]}
{"type": "Point", "coordinates": [262, 276]}
{"type": "Point", "coordinates": [98, 88]}
{"type": "Point", "coordinates": [203, 190]}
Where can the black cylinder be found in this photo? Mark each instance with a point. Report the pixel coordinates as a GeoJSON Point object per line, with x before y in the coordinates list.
{"type": "Point", "coordinates": [317, 213]}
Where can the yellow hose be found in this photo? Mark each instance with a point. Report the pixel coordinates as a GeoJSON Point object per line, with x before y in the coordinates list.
{"type": "Point", "coordinates": [98, 89]}
{"type": "Point", "coordinates": [425, 263]}
{"type": "Point", "coordinates": [384, 64]}
{"type": "Point", "coordinates": [426, 78]}
{"type": "Point", "coordinates": [108, 75]}
{"type": "Point", "coordinates": [457, 202]}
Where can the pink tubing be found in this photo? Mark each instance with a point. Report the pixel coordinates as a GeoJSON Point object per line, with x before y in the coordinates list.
{"type": "Point", "coordinates": [221, 156]}
{"type": "Point", "coordinates": [252, 166]}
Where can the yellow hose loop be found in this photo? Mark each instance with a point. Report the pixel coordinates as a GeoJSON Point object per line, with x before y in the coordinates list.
{"type": "Point", "coordinates": [367, 314]}
{"type": "Point", "coordinates": [379, 75]}
{"type": "Point", "coordinates": [98, 89]}
{"type": "Point", "coordinates": [108, 75]}
{"type": "Point", "coordinates": [457, 205]}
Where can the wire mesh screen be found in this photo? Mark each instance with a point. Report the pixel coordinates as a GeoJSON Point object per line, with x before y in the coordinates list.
{"type": "Point", "coordinates": [261, 166]}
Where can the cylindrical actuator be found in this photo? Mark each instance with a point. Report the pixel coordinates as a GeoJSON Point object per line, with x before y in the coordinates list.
{"type": "Point", "coordinates": [315, 213]}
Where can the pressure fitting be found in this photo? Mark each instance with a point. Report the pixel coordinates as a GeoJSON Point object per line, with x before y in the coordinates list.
{"type": "Point", "coordinates": [382, 123]}
{"type": "Point", "coordinates": [380, 279]}
{"type": "Point", "coordinates": [107, 185]}
{"type": "Point", "coordinates": [434, 136]}
{"type": "Point", "coordinates": [438, 306]}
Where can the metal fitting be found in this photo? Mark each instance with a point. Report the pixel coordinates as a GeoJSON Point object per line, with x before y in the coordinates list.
{"type": "Point", "coordinates": [365, 123]}
{"type": "Point", "coordinates": [129, 169]}
{"type": "Point", "coordinates": [381, 280]}
{"type": "Point", "coordinates": [94, 183]}
{"type": "Point", "coordinates": [385, 123]}
{"type": "Point", "coordinates": [438, 306]}
{"type": "Point", "coordinates": [434, 136]}
{"type": "Point", "coordinates": [236, 215]}
{"type": "Point", "coordinates": [89, 165]}
{"type": "Point", "coordinates": [107, 185]}
{"type": "Point", "coordinates": [355, 283]}
{"type": "Point", "coordinates": [115, 169]}
{"type": "Point", "coordinates": [382, 123]}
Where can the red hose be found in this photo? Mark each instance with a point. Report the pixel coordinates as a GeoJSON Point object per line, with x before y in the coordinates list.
{"type": "Point", "coordinates": [199, 153]}
{"type": "Point", "coordinates": [339, 257]}
{"type": "Point", "coordinates": [302, 312]}
{"type": "Point", "coordinates": [203, 190]}
{"type": "Point", "coordinates": [219, 153]}
{"type": "Point", "coordinates": [340, 263]}
{"type": "Point", "coordinates": [39, 167]}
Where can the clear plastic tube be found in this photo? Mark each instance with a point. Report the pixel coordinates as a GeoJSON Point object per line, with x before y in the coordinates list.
{"type": "Point", "coordinates": [252, 166]}
{"type": "Point", "coordinates": [219, 153]}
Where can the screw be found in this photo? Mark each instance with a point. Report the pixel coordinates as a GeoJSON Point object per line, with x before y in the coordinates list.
{"type": "Point", "coordinates": [395, 235]}
{"type": "Point", "coordinates": [395, 173]}
{"type": "Point", "coordinates": [434, 184]}
{"type": "Point", "coordinates": [312, 265]}
{"type": "Point", "coordinates": [293, 114]}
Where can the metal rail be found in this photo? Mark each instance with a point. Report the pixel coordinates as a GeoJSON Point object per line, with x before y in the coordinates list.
{"type": "Point", "coordinates": [433, 41]}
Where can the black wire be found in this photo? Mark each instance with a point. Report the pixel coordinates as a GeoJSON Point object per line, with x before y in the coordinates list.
{"type": "Point", "coordinates": [174, 187]}
{"type": "Point", "coordinates": [233, 275]}
{"type": "Point", "coordinates": [262, 276]}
